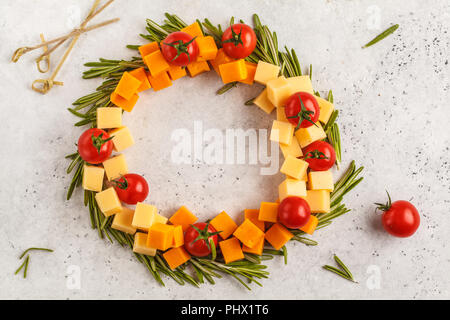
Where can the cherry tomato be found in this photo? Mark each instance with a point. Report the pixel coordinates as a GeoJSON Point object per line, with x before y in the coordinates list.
{"type": "Point", "coordinates": [95, 146]}
{"type": "Point", "coordinates": [294, 212]}
{"type": "Point", "coordinates": [400, 218]}
{"type": "Point", "coordinates": [131, 188]}
{"type": "Point", "coordinates": [239, 41]}
{"type": "Point", "coordinates": [195, 236]}
{"type": "Point", "coordinates": [320, 155]}
{"type": "Point", "coordinates": [180, 48]}
{"type": "Point", "coordinates": [302, 109]}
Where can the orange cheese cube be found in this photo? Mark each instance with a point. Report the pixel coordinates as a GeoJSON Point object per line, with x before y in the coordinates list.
{"type": "Point", "coordinates": [231, 250]}
{"type": "Point", "coordinates": [197, 67]}
{"type": "Point", "coordinates": [278, 235]}
{"type": "Point", "coordinates": [160, 236]}
{"type": "Point", "coordinates": [221, 58]}
{"type": "Point", "coordinates": [257, 249]}
{"type": "Point", "coordinates": [141, 75]}
{"type": "Point", "coordinates": [176, 72]}
{"type": "Point", "coordinates": [176, 257]}
{"type": "Point", "coordinates": [194, 30]}
{"type": "Point", "coordinates": [123, 103]}
{"type": "Point", "coordinates": [251, 69]}
{"type": "Point", "coordinates": [207, 48]}
{"type": "Point", "coordinates": [160, 81]}
{"type": "Point", "coordinates": [248, 233]}
{"type": "Point", "coordinates": [268, 211]}
{"type": "Point", "coordinates": [233, 71]}
{"type": "Point", "coordinates": [178, 237]}
{"type": "Point", "coordinates": [252, 215]}
{"type": "Point", "coordinates": [148, 48]}
{"type": "Point", "coordinates": [140, 245]}
{"type": "Point", "coordinates": [223, 223]}
{"type": "Point", "coordinates": [156, 63]}
{"type": "Point", "coordinates": [127, 86]}
{"type": "Point", "coordinates": [311, 225]}
{"type": "Point", "coordinates": [183, 217]}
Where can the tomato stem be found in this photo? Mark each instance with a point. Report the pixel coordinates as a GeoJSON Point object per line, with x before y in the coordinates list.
{"type": "Point", "coordinates": [316, 154]}
{"type": "Point", "coordinates": [303, 114]}
{"type": "Point", "coordinates": [181, 47]}
{"type": "Point", "coordinates": [98, 142]}
{"type": "Point", "coordinates": [205, 235]}
{"type": "Point", "coordinates": [121, 184]}
{"type": "Point", "coordinates": [386, 206]}
{"type": "Point", "coordinates": [236, 38]}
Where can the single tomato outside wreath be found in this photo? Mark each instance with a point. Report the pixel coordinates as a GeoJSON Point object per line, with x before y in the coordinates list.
{"type": "Point", "coordinates": [400, 218]}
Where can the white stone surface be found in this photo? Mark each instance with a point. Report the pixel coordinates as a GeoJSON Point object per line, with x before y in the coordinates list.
{"type": "Point", "coordinates": [395, 114]}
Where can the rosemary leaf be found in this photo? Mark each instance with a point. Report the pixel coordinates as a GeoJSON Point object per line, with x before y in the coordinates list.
{"type": "Point", "coordinates": [381, 36]}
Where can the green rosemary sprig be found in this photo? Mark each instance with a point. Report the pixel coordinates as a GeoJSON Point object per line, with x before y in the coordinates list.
{"type": "Point", "coordinates": [343, 271]}
{"type": "Point", "coordinates": [382, 35]}
{"type": "Point", "coordinates": [26, 262]}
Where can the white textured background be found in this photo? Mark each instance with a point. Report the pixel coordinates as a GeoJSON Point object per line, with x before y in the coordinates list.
{"type": "Point", "coordinates": [394, 99]}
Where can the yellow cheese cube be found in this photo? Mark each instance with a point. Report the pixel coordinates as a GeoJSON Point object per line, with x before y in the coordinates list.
{"type": "Point", "coordinates": [140, 245]}
{"type": "Point", "coordinates": [115, 167]}
{"type": "Point", "coordinates": [93, 178]}
{"type": "Point", "coordinates": [293, 167]}
{"type": "Point", "coordinates": [122, 221]}
{"type": "Point", "coordinates": [110, 117]}
{"type": "Point", "coordinates": [306, 136]}
{"type": "Point", "coordinates": [326, 109]}
{"type": "Point", "coordinates": [282, 132]}
{"type": "Point", "coordinates": [263, 102]}
{"type": "Point", "coordinates": [108, 202]}
{"type": "Point", "coordinates": [301, 83]}
{"type": "Point", "coordinates": [266, 72]}
{"type": "Point", "coordinates": [320, 180]}
{"type": "Point", "coordinates": [292, 149]}
{"type": "Point", "coordinates": [159, 219]}
{"type": "Point", "coordinates": [281, 114]}
{"type": "Point", "coordinates": [278, 91]}
{"type": "Point", "coordinates": [144, 216]}
{"type": "Point", "coordinates": [318, 200]}
{"type": "Point", "coordinates": [122, 138]}
{"type": "Point", "coordinates": [290, 188]}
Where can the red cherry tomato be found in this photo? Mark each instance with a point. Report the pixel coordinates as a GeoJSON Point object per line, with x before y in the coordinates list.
{"type": "Point", "coordinates": [180, 48]}
{"type": "Point", "coordinates": [95, 146]}
{"type": "Point", "coordinates": [302, 109]}
{"type": "Point", "coordinates": [195, 236]}
{"type": "Point", "coordinates": [131, 188]}
{"type": "Point", "coordinates": [293, 212]}
{"type": "Point", "coordinates": [400, 218]}
{"type": "Point", "coordinates": [320, 155]}
{"type": "Point", "coordinates": [239, 41]}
